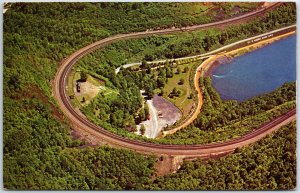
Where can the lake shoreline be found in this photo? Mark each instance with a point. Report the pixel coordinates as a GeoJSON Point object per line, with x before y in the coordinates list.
{"type": "Point", "coordinates": [210, 63]}
{"type": "Point", "coordinates": [225, 58]}
{"type": "Point", "coordinates": [257, 71]}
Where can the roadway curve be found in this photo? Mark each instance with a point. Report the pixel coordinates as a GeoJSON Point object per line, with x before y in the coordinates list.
{"type": "Point", "coordinates": [81, 123]}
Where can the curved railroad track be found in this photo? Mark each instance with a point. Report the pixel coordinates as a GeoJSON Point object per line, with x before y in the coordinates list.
{"type": "Point", "coordinates": [81, 123]}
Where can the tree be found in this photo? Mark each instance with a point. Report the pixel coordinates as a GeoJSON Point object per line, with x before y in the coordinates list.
{"type": "Point", "coordinates": [161, 92]}
{"type": "Point", "coordinates": [186, 69]}
{"type": "Point", "coordinates": [146, 110]}
{"type": "Point", "coordinates": [144, 64]}
{"type": "Point", "coordinates": [148, 57]}
{"type": "Point", "coordinates": [142, 115]}
{"type": "Point", "coordinates": [14, 81]}
{"type": "Point", "coordinates": [175, 92]}
{"type": "Point", "coordinates": [208, 42]}
{"type": "Point", "coordinates": [143, 129]}
{"type": "Point", "coordinates": [169, 72]}
{"type": "Point", "coordinates": [83, 76]}
{"type": "Point", "coordinates": [178, 70]}
{"type": "Point", "coordinates": [150, 92]}
{"type": "Point", "coordinates": [181, 81]}
{"type": "Point", "coordinates": [148, 70]}
{"type": "Point", "coordinates": [161, 82]}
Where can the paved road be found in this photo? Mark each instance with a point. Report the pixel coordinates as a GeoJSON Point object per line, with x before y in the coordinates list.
{"type": "Point", "coordinates": [205, 55]}
{"type": "Point", "coordinates": [80, 123]}
{"type": "Point", "coordinates": [153, 120]}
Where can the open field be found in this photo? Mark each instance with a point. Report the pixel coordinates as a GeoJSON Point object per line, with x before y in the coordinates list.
{"type": "Point", "coordinates": [183, 101]}
{"type": "Point", "coordinates": [88, 89]}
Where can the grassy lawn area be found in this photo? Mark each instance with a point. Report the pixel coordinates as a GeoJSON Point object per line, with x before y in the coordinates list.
{"type": "Point", "coordinates": [183, 102]}
{"type": "Point", "coordinates": [70, 89]}
{"type": "Point", "coordinates": [88, 89]}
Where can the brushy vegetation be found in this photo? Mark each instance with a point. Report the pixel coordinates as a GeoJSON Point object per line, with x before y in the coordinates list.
{"type": "Point", "coordinates": [38, 152]}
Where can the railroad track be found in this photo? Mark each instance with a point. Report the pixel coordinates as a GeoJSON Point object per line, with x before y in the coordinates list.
{"type": "Point", "coordinates": [80, 122]}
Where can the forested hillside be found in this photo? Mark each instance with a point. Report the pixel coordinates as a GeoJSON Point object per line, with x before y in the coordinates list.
{"type": "Point", "coordinates": [269, 164]}
{"type": "Point", "coordinates": [38, 150]}
{"type": "Point", "coordinates": [169, 47]}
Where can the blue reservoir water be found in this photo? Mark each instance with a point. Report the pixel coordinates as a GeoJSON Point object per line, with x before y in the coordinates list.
{"type": "Point", "coordinates": [257, 72]}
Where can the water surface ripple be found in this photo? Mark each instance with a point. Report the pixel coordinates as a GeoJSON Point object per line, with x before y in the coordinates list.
{"type": "Point", "coordinates": [257, 72]}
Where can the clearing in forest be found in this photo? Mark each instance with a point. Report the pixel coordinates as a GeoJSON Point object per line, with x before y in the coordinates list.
{"type": "Point", "coordinates": [181, 83]}
{"type": "Point", "coordinates": [88, 89]}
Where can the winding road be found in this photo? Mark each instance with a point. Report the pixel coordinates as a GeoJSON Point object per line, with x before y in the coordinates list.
{"type": "Point", "coordinates": [188, 151]}
{"type": "Point", "coordinates": [153, 120]}
{"type": "Point", "coordinates": [208, 54]}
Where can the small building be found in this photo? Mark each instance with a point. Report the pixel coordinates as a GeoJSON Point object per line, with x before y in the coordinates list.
{"type": "Point", "coordinates": [78, 86]}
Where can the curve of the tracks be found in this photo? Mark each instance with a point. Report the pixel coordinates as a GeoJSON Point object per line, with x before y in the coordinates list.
{"type": "Point", "coordinates": [79, 121]}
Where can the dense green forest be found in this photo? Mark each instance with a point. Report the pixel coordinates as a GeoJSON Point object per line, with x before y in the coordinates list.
{"type": "Point", "coordinates": [38, 150]}
{"type": "Point", "coordinates": [66, 168]}
{"type": "Point", "coordinates": [266, 165]}
{"type": "Point", "coordinates": [183, 44]}
{"type": "Point", "coordinates": [269, 164]}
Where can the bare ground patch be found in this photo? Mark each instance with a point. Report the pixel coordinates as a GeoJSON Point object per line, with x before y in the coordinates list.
{"type": "Point", "coordinates": [167, 164]}
{"type": "Point", "coordinates": [88, 91]}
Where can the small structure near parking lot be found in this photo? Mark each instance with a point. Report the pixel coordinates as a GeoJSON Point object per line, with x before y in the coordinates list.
{"type": "Point", "coordinates": [78, 86]}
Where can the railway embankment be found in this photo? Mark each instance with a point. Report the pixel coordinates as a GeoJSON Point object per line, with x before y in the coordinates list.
{"type": "Point", "coordinates": [187, 151]}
